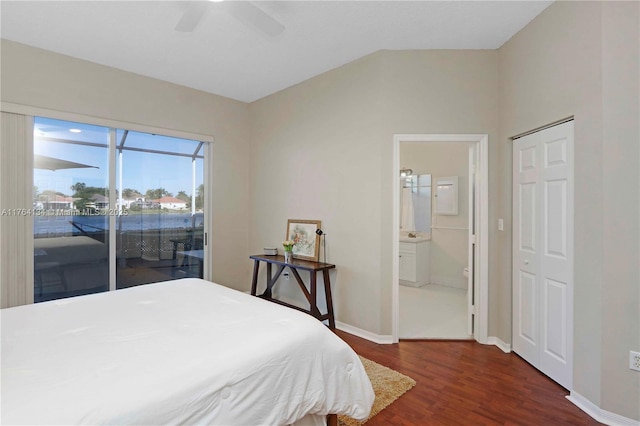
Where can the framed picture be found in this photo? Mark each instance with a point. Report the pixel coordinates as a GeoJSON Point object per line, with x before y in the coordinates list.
{"type": "Point", "coordinates": [307, 242]}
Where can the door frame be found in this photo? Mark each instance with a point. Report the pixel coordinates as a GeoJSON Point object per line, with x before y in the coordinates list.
{"type": "Point", "coordinates": [481, 286]}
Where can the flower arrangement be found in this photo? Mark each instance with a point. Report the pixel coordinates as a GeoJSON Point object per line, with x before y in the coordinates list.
{"type": "Point", "coordinates": [288, 245]}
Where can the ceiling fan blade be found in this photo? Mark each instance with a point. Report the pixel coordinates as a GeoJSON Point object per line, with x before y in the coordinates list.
{"type": "Point", "coordinates": [192, 16]}
{"type": "Point", "coordinates": [252, 15]}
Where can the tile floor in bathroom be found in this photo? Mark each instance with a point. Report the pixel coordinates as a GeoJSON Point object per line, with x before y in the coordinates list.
{"type": "Point", "coordinates": [433, 312]}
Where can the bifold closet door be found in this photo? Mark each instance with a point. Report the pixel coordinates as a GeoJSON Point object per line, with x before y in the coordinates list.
{"type": "Point", "coordinates": [543, 250]}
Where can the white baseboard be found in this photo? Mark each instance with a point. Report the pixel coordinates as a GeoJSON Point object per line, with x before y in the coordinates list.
{"type": "Point", "coordinates": [388, 339]}
{"type": "Point", "coordinates": [603, 416]}
{"type": "Point", "coordinates": [375, 338]}
{"type": "Point", "coordinates": [505, 347]}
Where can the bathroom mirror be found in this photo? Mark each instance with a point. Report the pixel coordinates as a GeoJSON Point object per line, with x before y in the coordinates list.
{"type": "Point", "coordinates": [447, 196]}
{"type": "Point", "coordinates": [415, 203]}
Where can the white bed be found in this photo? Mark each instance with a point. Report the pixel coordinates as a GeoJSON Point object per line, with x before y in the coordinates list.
{"type": "Point", "coordinates": [177, 352]}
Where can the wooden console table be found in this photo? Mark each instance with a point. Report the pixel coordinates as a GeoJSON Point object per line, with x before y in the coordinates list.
{"type": "Point", "coordinates": [295, 265]}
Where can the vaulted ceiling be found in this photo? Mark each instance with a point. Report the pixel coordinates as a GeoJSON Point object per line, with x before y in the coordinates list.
{"type": "Point", "coordinates": [248, 50]}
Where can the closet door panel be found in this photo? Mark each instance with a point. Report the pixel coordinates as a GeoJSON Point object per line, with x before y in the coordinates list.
{"type": "Point", "coordinates": [556, 262]}
{"type": "Point", "coordinates": [525, 250]}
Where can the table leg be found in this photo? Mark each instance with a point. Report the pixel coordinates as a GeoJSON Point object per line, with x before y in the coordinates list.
{"type": "Point", "coordinates": [254, 282]}
{"type": "Point", "coordinates": [332, 420]}
{"type": "Point", "coordinates": [327, 292]}
{"type": "Point", "coordinates": [314, 294]}
{"type": "Point", "coordinates": [267, 291]}
{"type": "Point", "coordinates": [271, 280]}
{"type": "Point", "coordinates": [301, 284]}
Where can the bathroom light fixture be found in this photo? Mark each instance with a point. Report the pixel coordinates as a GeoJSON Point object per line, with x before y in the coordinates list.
{"type": "Point", "coordinates": [405, 172]}
{"type": "Point", "coordinates": [75, 130]}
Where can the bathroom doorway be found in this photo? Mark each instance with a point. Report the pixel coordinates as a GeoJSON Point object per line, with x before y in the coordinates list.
{"type": "Point", "coordinates": [440, 242]}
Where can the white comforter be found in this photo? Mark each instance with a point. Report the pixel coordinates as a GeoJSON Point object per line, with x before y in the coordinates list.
{"type": "Point", "coordinates": [177, 352]}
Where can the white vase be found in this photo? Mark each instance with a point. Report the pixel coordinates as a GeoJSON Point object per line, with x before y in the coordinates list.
{"type": "Point", "coordinates": [288, 256]}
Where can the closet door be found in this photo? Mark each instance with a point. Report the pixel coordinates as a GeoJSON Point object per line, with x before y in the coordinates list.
{"type": "Point", "coordinates": [543, 251]}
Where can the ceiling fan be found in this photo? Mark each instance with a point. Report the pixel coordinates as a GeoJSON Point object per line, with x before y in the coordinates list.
{"type": "Point", "coordinates": [244, 11]}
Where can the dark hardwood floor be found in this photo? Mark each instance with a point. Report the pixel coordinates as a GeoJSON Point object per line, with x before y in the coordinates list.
{"type": "Point", "coordinates": [466, 383]}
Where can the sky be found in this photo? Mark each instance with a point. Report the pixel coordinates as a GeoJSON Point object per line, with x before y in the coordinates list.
{"type": "Point", "coordinates": [140, 170]}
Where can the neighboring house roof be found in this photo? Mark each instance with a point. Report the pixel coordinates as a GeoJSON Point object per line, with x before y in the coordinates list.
{"type": "Point", "coordinates": [57, 199]}
{"type": "Point", "coordinates": [100, 198]}
{"type": "Point", "coordinates": [170, 200]}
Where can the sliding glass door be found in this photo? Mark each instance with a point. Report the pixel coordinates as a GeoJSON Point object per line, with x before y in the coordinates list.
{"type": "Point", "coordinates": [114, 208]}
{"type": "Point", "coordinates": [160, 234]}
{"type": "Point", "coordinates": [71, 183]}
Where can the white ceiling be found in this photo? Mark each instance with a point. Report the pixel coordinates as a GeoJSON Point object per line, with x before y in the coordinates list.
{"type": "Point", "coordinates": [229, 57]}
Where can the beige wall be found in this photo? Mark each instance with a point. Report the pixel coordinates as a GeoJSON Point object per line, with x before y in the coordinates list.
{"type": "Point", "coordinates": [316, 155]}
{"type": "Point", "coordinates": [581, 59]}
{"type": "Point", "coordinates": [42, 79]}
{"type": "Point", "coordinates": [323, 150]}
{"type": "Point", "coordinates": [449, 247]}
{"type": "Point", "coordinates": [621, 206]}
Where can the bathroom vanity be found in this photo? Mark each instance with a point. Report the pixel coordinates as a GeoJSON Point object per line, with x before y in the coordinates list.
{"type": "Point", "coordinates": [414, 264]}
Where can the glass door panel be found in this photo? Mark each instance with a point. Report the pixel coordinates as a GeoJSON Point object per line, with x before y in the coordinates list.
{"type": "Point", "coordinates": [71, 209]}
{"type": "Point", "coordinates": [160, 231]}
